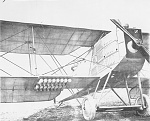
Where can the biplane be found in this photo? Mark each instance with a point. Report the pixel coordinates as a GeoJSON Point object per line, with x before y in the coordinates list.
{"type": "Point", "coordinates": [116, 61]}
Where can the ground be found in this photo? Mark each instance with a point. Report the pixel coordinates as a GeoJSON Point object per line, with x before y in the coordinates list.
{"type": "Point", "coordinates": [69, 111]}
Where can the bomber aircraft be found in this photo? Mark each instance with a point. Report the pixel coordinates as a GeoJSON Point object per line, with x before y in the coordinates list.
{"type": "Point", "coordinates": [117, 59]}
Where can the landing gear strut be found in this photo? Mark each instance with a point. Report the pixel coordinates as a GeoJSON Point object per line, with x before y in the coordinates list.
{"type": "Point", "coordinates": [146, 110]}
{"type": "Point", "coordinates": [143, 100]}
{"type": "Point", "coordinates": [89, 105]}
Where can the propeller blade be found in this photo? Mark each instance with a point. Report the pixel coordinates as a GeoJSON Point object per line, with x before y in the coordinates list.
{"type": "Point", "coordinates": [135, 40]}
{"type": "Point", "coordinates": [145, 52]}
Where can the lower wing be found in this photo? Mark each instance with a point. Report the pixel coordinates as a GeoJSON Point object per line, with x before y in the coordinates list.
{"type": "Point", "coordinates": [46, 88]}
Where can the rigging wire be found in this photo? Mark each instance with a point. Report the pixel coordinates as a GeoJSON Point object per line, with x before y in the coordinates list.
{"type": "Point", "coordinates": [14, 34]}
{"type": "Point", "coordinates": [72, 92]}
{"type": "Point", "coordinates": [17, 66]}
{"type": "Point", "coordinates": [64, 66]}
{"type": "Point", "coordinates": [57, 69]}
{"type": "Point", "coordinates": [69, 62]}
{"type": "Point", "coordinates": [45, 62]}
{"type": "Point", "coordinates": [13, 49]}
{"type": "Point", "coordinates": [59, 64]}
{"type": "Point", "coordinates": [91, 61]}
{"type": "Point", "coordinates": [52, 56]}
{"type": "Point", "coordinates": [5, 72]}
{"type": "Point", "coordinates": [142, 72]}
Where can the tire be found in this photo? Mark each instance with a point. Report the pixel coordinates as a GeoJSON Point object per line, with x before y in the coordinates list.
{"type": "Point", "coordinates": [89, 108]}
{"type": "Point", "coordinates": [146, 110]}
{"type": "Point", "coordinates": [134, 93]}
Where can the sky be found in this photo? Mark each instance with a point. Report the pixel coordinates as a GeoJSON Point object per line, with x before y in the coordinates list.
{"type": "Point", "coordinates": [92, 14]}
{"type": "Point", "coordinates": [78, 13]}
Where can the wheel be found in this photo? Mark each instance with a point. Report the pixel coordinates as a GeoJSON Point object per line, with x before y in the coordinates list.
{"type": "Point", "coordinates": [146, 110]}
{"type": "Point", "coordinates": [134, 93]}
{"type": "Point", "coordinates": [89, 108]}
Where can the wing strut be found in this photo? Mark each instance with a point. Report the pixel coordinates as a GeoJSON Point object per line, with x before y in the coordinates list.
{"type": "Point", "coordinates": [34, 50]}
{"type": "Point", "coordinates": [140, 88]}
{"type": "Point", "coordinates": [127, 88]}
{"type": "Point", "coordinates": [109, 74]}
{"type": "Point", "coordinates": [29, 58]}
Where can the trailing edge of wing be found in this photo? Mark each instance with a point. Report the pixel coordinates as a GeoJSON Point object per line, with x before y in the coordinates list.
{"type": "Point", "coordinates": [48, 39]}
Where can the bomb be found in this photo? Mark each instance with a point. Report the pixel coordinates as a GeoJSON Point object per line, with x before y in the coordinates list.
{"type": "Point", "coordinates": [37, 87]}
{"type": "Point", "coordinates": [45, 81]}
{"type": "Point", "coordinates": [69, 80]}
{"type": "Point", "coordinates": [41, 87]}
{"type": "Point", "coordinates": [40, 82]}
{"type": "Point", "coordinates": [57, 80]}
{"type": "Point", "coordinates": [49, 81]}
{"type": "Point", "coordinates": [49, 88]}
{"type": "Point", "coordinates": [53, 80]}
{"type": "Point", "coordinates": [65, 80]}
{"type": "Point", "coordinates": [62, 80]}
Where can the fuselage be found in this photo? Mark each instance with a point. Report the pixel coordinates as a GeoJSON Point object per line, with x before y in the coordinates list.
{"type": "Point", "coordinates": [116, 52]}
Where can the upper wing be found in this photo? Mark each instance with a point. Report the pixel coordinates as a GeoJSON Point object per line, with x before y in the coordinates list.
{"type": "Point", "coordinates": [19, 37]}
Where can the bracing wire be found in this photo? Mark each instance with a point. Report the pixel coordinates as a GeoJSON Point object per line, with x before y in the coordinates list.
{"type": "Point", "coordinates": [53, 57]}
{"type": "Point", "coordinates": [5, 72]}
{"type": "Point", "coordinates": [91, 61]}
{"type": "Point", "coordinates": [17, 66]}
{"type": "Point", "coordinates": [69, 62]}
{"type": "Point", "coordinates": [46, 62]}
{"type": "Point", "coordinates": [14, 35]}
{"type": "Point", "coordinates": [13, 49]}
{"type": "Point", "coordinates": [57, 69]}
{"type": "Point", "coordinates": [64, 66]}
{"type": "Point", "coordinates": [59, 64]}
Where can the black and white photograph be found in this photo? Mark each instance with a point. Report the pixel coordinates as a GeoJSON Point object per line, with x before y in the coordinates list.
{"type": "Point", "coordinates": [74, 60]}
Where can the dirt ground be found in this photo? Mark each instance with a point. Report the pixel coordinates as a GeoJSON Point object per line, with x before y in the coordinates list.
{"type": "Point", "coordinates": [69, 111]}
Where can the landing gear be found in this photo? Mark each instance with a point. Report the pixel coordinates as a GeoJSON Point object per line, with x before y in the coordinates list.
{"type": "Point", "coordinates": [143, 100]}
{"type": "Point", "coordinates": [146, 110]}
{"type": "Point", "coordinates": [89, 104]}
{"type": "Point", "coordinates": [89, 108]}
{"type": "Point", "coordinates": [142, 105]}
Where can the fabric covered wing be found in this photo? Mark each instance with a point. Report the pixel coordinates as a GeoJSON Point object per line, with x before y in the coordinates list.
{"type": "Point", "coordinates": [19, 37]}
{"type": "Point", "coordinates": [24, 89]}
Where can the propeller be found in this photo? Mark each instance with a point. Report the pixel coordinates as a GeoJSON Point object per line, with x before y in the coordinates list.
{"type": "Point", "coordinates": [145, 52]}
